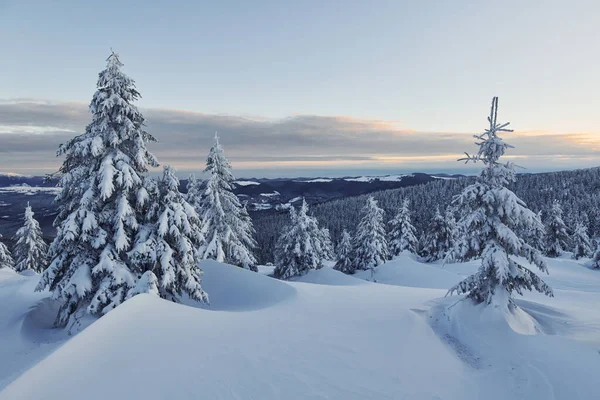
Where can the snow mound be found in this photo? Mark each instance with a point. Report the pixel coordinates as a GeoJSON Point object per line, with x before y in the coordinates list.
{"type": "Point", "coordinates": [149, 348]}
{"type": "Point", "coordinates": [232, 288]}
{"type": "Point", "coordinates": [405, 271]}
{"type": "Point", "coordinates": [38, 323]}
{"type": "Point", "coordinates": [329, 276]}
{"type": "Point", "coordinates": [7, 273]}
{"type": "Point", "coordinates": [509, 345]}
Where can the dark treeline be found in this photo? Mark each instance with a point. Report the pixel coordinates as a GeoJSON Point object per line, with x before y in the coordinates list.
{"type": "Point", "coordinates": [578, 191]}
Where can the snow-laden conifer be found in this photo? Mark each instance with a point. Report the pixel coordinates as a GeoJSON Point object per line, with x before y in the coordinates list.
{"type": "Point", "coordinates": [300, 247]}
{"type": "Point", "coordinates": [582, 245]}
{"type": "Point", "coordinates": [536, 235]}
{"type": "Point", "coordinates": [226, 224]}
{"type": "Point", "coordinates": [102, 191]}
{"type": "Point", "coordinates": [195, 190]}
{"type": "Point", "coordinates": [6, 260]}
{"type": "Point", "coordinates": [344, 262]}
{"type": "Point", "coordinates": [596, 258]}
{"type": "Point", "coordinates": [30, 251]}
{"type": "Point", "coordinates": [370, 242]}
{"type": "Point", "coordinates": [439, 237]}
{"type": "Point", "coordinates": [168, 244]}
{"type": "Point", "coordinates": [557, 233]}
{"type": "Point", "coordinates": [402, 232]}
{"type": "Point", "coordinates": [147, 284]}
{"type": "Point", "coordinates": [327, 244]}
{"type": "Point", "coordinates": [493, 213]}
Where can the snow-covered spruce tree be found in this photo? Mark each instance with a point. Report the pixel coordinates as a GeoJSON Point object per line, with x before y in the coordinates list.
{"type": "Point", "coordinates": [168, 244]}
{"type": "Point", "coordinates": [494, 213]}
{"type": "Point", "coordinates": [6, 260]}
{"type": "Point", "coordinates": [300, 247]}
{"type": "Point", "coordinates": [466, 246]}
{"type": "Point", "coordinates": [98, 206]}
{"type": "Point", "coordinates": [402, 232]}
{"type": "Point", "coordinates": [536, 235]}
{"type": "Point", "coordinates": [370, 242]}
{"type": "Point", "coordinates": [439, 237]}
{"type": "Point", "coordinates": [226, 224]}
{"type": "Point", "coordinates": [557, 233]}
{"type": "Point", "coordinates": [30, 251]}
{"type": "Point", "coordinates": [327, 244]}
{"type": "Point", "coordinates": [344, 262]}
{"type": "Point", "coordinates": [582, 245]}
{"type": "Point", "coordinates": [195, 190]}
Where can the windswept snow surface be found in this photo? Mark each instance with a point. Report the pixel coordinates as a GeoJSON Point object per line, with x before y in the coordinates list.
{"type": "Point", "coordinates": [25, 331]}
{"type": "Point", "coordinates": [322, 336]}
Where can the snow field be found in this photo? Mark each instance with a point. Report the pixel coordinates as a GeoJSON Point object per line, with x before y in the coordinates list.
{"type": "Point", "coordinates": [325, 335]}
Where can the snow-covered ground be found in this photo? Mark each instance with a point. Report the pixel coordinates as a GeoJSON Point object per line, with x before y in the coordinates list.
{"type": "Point", "coordinates": [322, 336]}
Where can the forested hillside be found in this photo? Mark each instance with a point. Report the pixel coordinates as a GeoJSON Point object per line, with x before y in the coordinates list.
{"type": "Point", "coordinates": [578, 191]}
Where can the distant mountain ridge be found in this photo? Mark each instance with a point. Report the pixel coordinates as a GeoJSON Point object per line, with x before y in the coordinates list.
{"type": "Point", "coordinates": [259, 194]}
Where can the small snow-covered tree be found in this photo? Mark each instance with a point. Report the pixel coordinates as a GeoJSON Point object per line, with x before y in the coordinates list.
{"type": "Point", "coordinates": [370, 242]}
{"type": "Point", "coordinates": [493, 213]}
{"type": "Point", "coordinates": [98, 206]}
{"type": "Point", "coordinates": [168, 244]}
{"type": "Point", "coordinates": [226, 224]}
{"type": "Point", "coordinates": [536, 235]}
{"type": "Point", "coordinates": [300, 247]}
{"type": "Point", "coordinates": [30, 251]}
{"type": "Point", "coordinates": [439, 237]}
{"type": "Point", "coordinates": [344, 262]}
{"type": "Point", "coordinates": [402, 232]}
{"type": "Point", "coordinates": [557, 236]}
{"type": "Point", "coordinates": [582, 245]}
{"type": "Point", "coordinates": [596, 258]}
{"type": "Point", "coordinates": [6, 260]}
{"type": "Point", "coordinates": [327, 244]}
{"type": "Point", "coordinates": [195, 190]}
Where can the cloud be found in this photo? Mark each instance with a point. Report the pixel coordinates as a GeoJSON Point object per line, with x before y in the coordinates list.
{"type": "Point", "coordinates": [31, 130]}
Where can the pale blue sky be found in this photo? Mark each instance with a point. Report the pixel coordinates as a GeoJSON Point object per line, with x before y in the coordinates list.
{"type": "Point", "coordinates": [429, 66]}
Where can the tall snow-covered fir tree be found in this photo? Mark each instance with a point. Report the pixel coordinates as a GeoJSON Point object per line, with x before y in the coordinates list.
{"type": "Point", "coordinates": [493, 213]}
{"type": "Point", "coordinates": [582, 245]}
{"type": "Point", "coordinates": [102, 191]}
{"type": "Point", "coordinates": [6, 260]}
{"type": "Point", "coordinates": [344, 262]}
{"type": "Point", "coordinates": [557, 233]}
{"type": "Point", "coordinates": [226, 224]}
{"type": "Point", "coordinates": [30, 251]}
{"type": "Point", "coordinates": [439, 237]}
{"type": "Point", "coordinates": [402, 232]}
{"type": "Point", "coordinates": [370, 242]}
{"type": "Point", "coordinates": [168, 244]}
{"type": "Point", "coordinates": [300, 247]}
